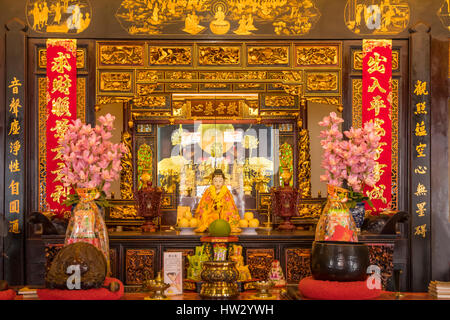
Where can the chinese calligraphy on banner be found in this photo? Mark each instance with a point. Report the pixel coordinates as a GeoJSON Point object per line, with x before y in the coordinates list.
{"type": "Point", "coordinates": [14, 155]}
{"type": "Point", "coordinates": [377, 108]}
{"type": "Point", "coordinates": [421, 156]}
{"type": "Point", "coordinates": [61, 110]}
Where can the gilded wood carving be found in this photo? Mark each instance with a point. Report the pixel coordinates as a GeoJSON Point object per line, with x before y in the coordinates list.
{"type": "Point", "coordinates": [81, 58]}
{"type": "Point", "coordinates": [219, 56]}
{"type": "Point", "coordinates": [317, 55]}
{"type": "Point", "coordinates": [358, 58]}
{"type": "Point", "coordinates": [304, 164]}
{"type": "Point", "coordinates": [126, 174]}
{"type": "Point", "coordinates": [382, 255]}
{"type": "Point", "coordinates": [259, 262]}
{"type": "Point", "coordinates": [444, 14]}
{"type": "Point", "coordinates": [218, 17]}
{"type": "Point", "coordinates": [297, 264]}
{"type": "Point", "coordinates": [149, 91]}
{"type": "Point", "coordinates": [55, 16]}
{"type": "Point", "coordinates": [116, 81]}
{"type": "Point", "coordinates": [170, 55]}
{"type": "Point", "coordinates": [268, 56]}
{"type": "Point", "coordinates": [321, 81]}
{"type": "Point", "coordinates": [123, 212]}
{"type": "Point", "coordinates": [139, 265]}
{"type": "Point", "coordinates": [377, 17]}
{"type": "Point", "coordinates": [123, 55]}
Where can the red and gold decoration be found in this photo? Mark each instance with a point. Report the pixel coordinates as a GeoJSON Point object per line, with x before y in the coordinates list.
{"type": "Point", "coordinates": [377, 108]}
{"type": "Point", "coordinates": [61, 109]}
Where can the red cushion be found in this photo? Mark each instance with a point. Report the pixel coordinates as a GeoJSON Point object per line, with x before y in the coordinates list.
{"type": "Point", "coordinates": [336, 290]}
{"type": "Point", "coordinates": [9, 294]}
{"type": "Point", "coordinates": [91, 294]}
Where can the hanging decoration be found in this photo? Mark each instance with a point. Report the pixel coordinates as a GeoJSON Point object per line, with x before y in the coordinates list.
{"type": "Point", "coordinates": [377, 108]}
{"type": "Point", "coordinates": [61, 109]}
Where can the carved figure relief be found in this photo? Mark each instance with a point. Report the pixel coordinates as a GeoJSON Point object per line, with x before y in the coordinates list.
{"type": "Point", "coordinates": [121, 55]}
{"type": "Point", "coordinates": [268, 55]}
{"type": "Point", "coordinates": [376, 16]}
{"type": "Point", "coordinates": [219, 17]}
{"type": "Point", "coordinates": [444, 14]}
{"type": "Point", "coordinates": [58, 16]}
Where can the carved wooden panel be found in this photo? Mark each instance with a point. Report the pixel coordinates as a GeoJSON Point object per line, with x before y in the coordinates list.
{"type": "Point", "coordinates": [322, 81]}
{"type": "Point", "coordinates": [50, 252]}
{"type": "Point", "coordinates": [172, 56]}
{"type": "Point", "coordinates": [113, 262]}
{"type": "Point", "coordinates": [297, 264]}
{"type": "Point", "coordinates": [358, 55]}
{"type": "Point", "coordinates": [272, 56]}
{"type": "Point", "coordinates": [391, 17]}
{"type": "Point", "coordinates": [381, 255]}
{"type": "Point", "coordinates": [121, 55]}
{"type": "Point", "coordinates": [139, 265]}
{"type": "Point", "coordinates": [219, 56]}
{"type": "Point", "coordinates": [81, 58]}
{"type": "Point", "coordinates": [60, 17]}
{"type": "Point", "coordinates": [116, 81]}
{"type": "Point", "coordinates": [259, 262]}
{"type": "Point", "coordinates": [317, 55]}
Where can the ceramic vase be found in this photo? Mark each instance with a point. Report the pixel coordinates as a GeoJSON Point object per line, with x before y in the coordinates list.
{"type": "Point", "coordinates": [358, 214]}
{"type": "Point", "coordinates": [336, 222]}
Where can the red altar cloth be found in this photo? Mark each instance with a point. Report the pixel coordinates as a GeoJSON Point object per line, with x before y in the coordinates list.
{"type": "Point", "coordinates": [336, 290]}
{"type": "Point", "coordinates": [9, 294]}
{"type": "Point", "coordinates": [91, 294]}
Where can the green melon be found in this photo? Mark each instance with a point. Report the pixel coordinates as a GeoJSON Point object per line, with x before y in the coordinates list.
{"type": "Point", "coordinates": [219, 228]}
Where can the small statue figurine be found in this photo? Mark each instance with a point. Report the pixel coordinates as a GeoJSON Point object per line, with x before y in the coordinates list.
{"type": "Point", "coordinates": [217, 203]}
{"type": "Point", "coordinates": [276, 274]}
{"type": "Point", "coordinates": [244, 272]}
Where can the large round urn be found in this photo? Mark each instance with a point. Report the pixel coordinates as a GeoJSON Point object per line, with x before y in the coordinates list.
{"type": "Point", "coordinates": [339, 261]}
{"type": "Point", "coordinates": [220, 280]}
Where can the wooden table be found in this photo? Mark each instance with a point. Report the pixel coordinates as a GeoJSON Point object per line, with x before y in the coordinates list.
{"type": "Point", "coordinates": [277, 293]}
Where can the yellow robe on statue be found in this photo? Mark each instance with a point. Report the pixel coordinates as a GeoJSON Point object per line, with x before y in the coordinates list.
{"type": "Point", "coordinates": [214, 206]}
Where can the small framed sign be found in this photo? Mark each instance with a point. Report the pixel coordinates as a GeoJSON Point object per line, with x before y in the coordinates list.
{"type": "Point", "coordinates": [173, 272]}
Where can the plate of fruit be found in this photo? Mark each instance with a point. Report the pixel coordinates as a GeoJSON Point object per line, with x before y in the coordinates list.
{"type": "Point", "coordinates": [187, 224]}
{"type": "Point", "coordinates": [249, 223]}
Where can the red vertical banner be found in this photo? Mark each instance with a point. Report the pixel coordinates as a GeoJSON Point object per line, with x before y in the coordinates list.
{"type": "Point", "coordinates": [61, 110]}
{"type": "Point", "coordinates": [377, 108]}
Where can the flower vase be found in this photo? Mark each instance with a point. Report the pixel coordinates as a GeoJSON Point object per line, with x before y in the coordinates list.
{"type": "Point", "coordinates": [358, 214]}
{"type": "Point", "coordinates": [86, 223]}
{"type": "Point", "coordinates": [336, 222]}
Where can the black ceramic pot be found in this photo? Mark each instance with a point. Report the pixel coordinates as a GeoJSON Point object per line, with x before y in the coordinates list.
{"type": "Point", "coordinates": [339, 261]}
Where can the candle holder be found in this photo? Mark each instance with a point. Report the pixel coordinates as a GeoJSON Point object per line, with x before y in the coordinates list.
{"type": "Point", "coordinates": [263, 288]}
{"type": "Point", "coordinates": [157, 286]}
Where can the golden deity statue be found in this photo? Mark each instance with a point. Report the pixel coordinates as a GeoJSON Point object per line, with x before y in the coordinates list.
{"type": "Point", "coordinates": [217, 203]}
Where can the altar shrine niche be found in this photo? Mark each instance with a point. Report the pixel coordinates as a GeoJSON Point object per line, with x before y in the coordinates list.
{"type": "Point", "coordinates": [181, 124]}
{"type": "Point", "coordinates": [184, 116]}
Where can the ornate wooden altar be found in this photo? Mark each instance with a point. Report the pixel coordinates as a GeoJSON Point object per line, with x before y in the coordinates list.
{"type": "Point", "coordinates": [244, 84]}
{"type": "Point", "coordinates": [134, 255]}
